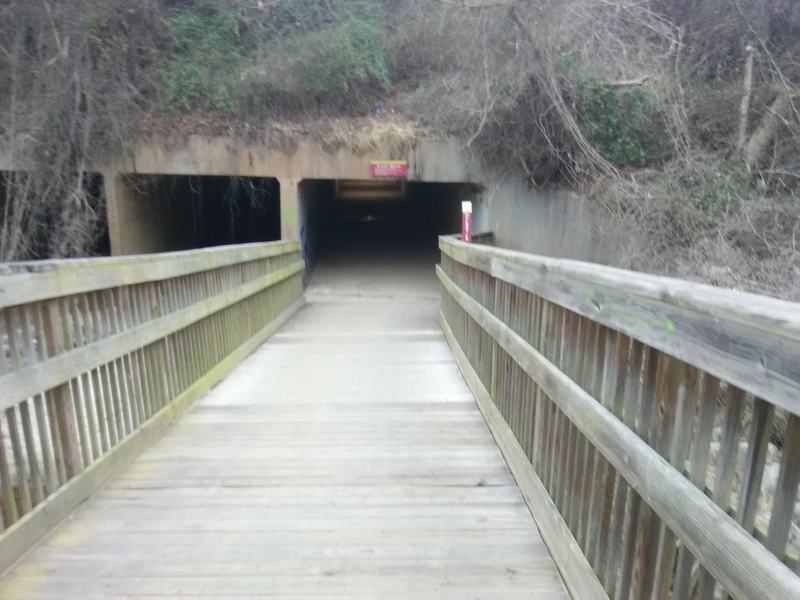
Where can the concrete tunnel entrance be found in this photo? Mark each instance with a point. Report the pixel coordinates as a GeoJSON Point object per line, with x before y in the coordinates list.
{"type": "Point", "coordinates": [360, 237]}
{"type": "Point", "coordinates": [368, 238]}
{"type": "Point", "coordinates": [160, 213]}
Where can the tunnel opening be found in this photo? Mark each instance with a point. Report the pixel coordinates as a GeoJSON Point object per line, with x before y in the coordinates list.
{"type": "Point", "coordinates": [180, 212]}
{"type": "Point", "coordinates": [377, 237]}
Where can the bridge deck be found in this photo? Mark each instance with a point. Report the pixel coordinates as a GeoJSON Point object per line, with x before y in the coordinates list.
{"type": "Point", "coordinates": [345, 457]}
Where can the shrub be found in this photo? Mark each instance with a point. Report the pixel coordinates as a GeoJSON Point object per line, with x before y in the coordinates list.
{"type": "Point", "coordinates": [715, 188]}
{"type": "Point", "coordinates": [351, 56]}
{"type": "Point", "coordinates": [719, 189]}
{"type": "Point", "coordinates": [625, 125]}
{"type": "Point", "coordinates": [340, 63]}
{"type": "Point", "coordinates": [207, 57]}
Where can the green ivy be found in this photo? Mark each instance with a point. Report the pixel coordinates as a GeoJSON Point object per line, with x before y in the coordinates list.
{"type": "Point", "coordinates": [718, 189]}
{"type": "Point", "coordinates": [353, 56]}
{"type": "Point", "coordinates": [616, 122]}
{"type": "Point", "coordinates": [206, 60]}
{"type": "Point", "coordinates": [339, 61]}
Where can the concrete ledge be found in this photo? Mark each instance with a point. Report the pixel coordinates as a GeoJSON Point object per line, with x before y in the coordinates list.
{"type": "Point", "coordinates": [428, 159]}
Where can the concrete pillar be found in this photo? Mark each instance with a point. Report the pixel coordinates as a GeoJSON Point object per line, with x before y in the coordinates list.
{"type": "Point", "coordinates": [137, 222]}
{"type": "Point", "coordinates": [290, 209]}
{"type": "Point", "coordinates": [116, 209]}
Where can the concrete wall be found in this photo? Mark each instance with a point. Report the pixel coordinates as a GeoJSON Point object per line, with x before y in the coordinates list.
{"type": "Point", "coordinates": [138, 224]}
{"type": "Point", "coordinates": [429, 160]}
{"type": "Point", "coordinates": [546, 221]}
{"type": "Point", "coordinates": [313, 195]}
{"type": "Point", "coordinates": [542, 221]}
{"type": "Point", "coordinates": [140, 221]}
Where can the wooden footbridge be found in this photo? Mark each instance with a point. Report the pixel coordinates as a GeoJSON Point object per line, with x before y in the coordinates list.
{"type": "Point", "coordinates": [193, 424]}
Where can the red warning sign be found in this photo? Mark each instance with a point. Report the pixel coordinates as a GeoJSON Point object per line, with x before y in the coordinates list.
{"type": "Point", "coordinates": [389, 168]}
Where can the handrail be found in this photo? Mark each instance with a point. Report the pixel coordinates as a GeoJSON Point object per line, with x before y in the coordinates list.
{"type": "Point", "coordinates": [614, 415]}
{"type": "Point", "coordinates": [26, 282]}
{"type": "Point", "coordinates": [98, 356]}
{"type": "Point", "coordinates": [750, 340]}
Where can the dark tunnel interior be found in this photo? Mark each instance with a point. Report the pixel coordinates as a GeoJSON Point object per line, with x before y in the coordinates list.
{"type": "Point", "coordinates": [202, 211]}
{"type": "Point", "coordinates": [365, 236]}
{"type": "Point", "coordinates": [377, 237]}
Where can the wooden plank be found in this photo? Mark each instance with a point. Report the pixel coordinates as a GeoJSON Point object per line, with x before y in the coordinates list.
{"type": "Point", "coordinates": [671, 398]}
{"type": "Point", "coordinates": [613, 385]}
{"type": "Point", "coordinates": [64, 366]}
{"type": "Point", "coordinates": [10, 510]}
{"type": "Point", "coordinates": [105, 377]}
{"type": "Point", "coordinates": [27, 494]}
{"type": "Point", "coordinates": [62, 417]}
{"type": "Point", "coordinates": [95, 405]}
{"type": "Point", "coordinates": [32, 436]}
{"type": "Point", "coordinates": [682, 506]}
{"type": "Point", "coordinates": [725, 471]}
{"type": "Point", "coordinates": [78, 395]}
{"type": "Point", "coordinates": [749, 340]}
{"type": "Point", "coordinates": [628, 502]}
{"type": "Point", "coordinates": [17, 540]}
{"type": "Point", "coordinates": [124, 366]}
{"type": "Point", "coordinates": [783, 506]}
{"type": "Point", "coordinates": [366, 486]}
{"type": "Point", "coordinates": [575, 570]}
{"type": "Point", "coordinates": [23, 491]}
{"type": "Point", "coordinates": [23, 283]}
{"type": "Point", "coordinates": [148, 378]}
{"type": "Point", "coordinates": [761, 428]}
{"type": "Point", "coordinates": [698, 464]}
{"type": "Point", "coordinates": [45, 407]}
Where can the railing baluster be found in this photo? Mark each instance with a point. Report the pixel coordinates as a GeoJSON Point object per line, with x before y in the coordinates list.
{"type": "Point", "coordinates": [783, 507]}
{"type": "Point", "coordinates": [761, 428]}
{"type": "Point", "coordinates": [29, 485]}
{"type": "Point", "coordinates": [68, 458]}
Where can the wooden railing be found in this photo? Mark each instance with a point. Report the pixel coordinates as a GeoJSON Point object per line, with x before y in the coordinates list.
{"type": "Point", "coordinates": [99, 356]}
{"type": "Point", "coordinates": [652, 423]}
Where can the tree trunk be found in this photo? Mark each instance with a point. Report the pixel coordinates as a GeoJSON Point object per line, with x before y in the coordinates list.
{"type": "Point", "coordinates": [744, 108]}
{"type": "Point", "coordinates": [763, 135]}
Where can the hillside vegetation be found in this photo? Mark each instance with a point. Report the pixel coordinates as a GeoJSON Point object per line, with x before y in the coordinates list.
{"type": "Point", "coordinates": [678, 118]}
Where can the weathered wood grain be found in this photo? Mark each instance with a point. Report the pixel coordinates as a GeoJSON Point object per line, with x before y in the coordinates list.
{"type": "Point", "coordinates": [731, 555]}
{"type": "Point", "coordinates": [23, 283]}
{"type": "Point", "coordinates": [748, 340]}
{"type": "Point", "coordinates": [95, 352]}
{"type": "Point", "coordinates": [576, 571]}
{"type": "Point", "coordinates": [17, 540]}
{"type": "Point", "coordinates": [345, 458]}
{"type": "Point", "coordinates": [66, 365]}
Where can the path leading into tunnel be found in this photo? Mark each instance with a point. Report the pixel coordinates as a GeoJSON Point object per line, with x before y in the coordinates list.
{"type": "Point", "coordinates": [344, 458]}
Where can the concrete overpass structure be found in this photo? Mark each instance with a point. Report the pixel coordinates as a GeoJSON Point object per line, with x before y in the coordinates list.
{"type": "Point", "coordinates": [139, 220]}
{"type": "Point", "coordinates": [149, 194]}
